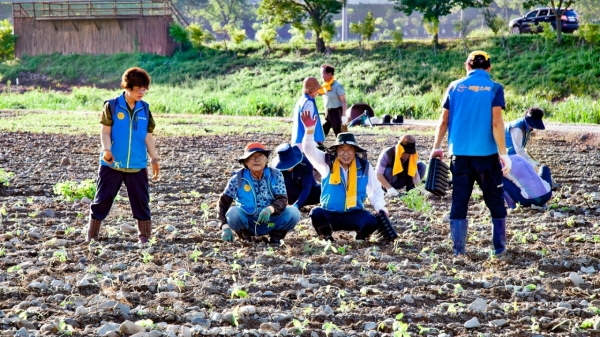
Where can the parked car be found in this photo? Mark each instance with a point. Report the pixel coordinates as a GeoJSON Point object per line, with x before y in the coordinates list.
{"type": "Point", "coordinates": [530, 22]}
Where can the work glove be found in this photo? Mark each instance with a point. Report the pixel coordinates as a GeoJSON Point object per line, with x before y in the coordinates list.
{"type": "Point", "coordinates": [437, 153]}
{"type": "Point", "coordinates": [108, 157]}
{"type": "Point", "coordinates": [308, 120]}
{"type": "Point", "coordinates": [392, 192]}
{"type": "Point", "coordinates": [226, 234]}
{"type": "Point", "coordinates": [264, 215]}
{"type": "Point", "coordinates": [506, 163]}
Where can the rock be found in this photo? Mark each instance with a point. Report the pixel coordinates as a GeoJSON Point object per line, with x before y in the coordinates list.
{"type": "Point", "coordinates": [370, 326]}
{"type": "Point", "coordinates": [566, 305]}
{"type": "Point", "coordinates": [274, 327]}
{"type": "Point", "coordinates": [213, 332]}
{"type": "Point", "coordinates": [324, 310]}
{"type": "Point", "coordinates": [408, 299]}
{"type": "Point", "coordinates": [130, 328]}
{"type": "Point", "coordinates": [472, 323]}
{"type": "Point", "coordinates": [81, 311]}
{"type": "Point", "coordinates": [22, 332]}
{"type": "Point", "coordinates": [498, 323]}
{"type": "Point", "coordinates": [589, 270]}
{"type": "Point", "coordinates": [125, 228]}
{"type": "Point", "coordinates": [22, 323]}
{"type": "Point", "coordinates": [306, 284]}
{"type": "Point", "coordinates": [247, 310]}
{"type": "Point", "coordinates": [106, 328]}
{"type": "Point", "coordinates": [65, 161]}
{"type": "Point", "coordinates": [393, 310]}
{"type": "Point", "coordinates": [49, 328]}
{"type": "Point", "coordinates": [576, 279]}
{"type": "Point", "coordinates": [479, 305]}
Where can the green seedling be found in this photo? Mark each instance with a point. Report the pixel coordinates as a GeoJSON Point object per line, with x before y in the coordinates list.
{"type": "Point", "coordinates": [60, 256]}
{"type": "Point", "coordinates": [299, 326]}
{"type": "Point", "coordinates": [147, 257]}
{"type": "Point", "coordinates": [329, 327]}
{"type": "Point", "coordinates": [5, 177]}
{"type": "Point", "coordinates": [235, 266]}
{"type": "Point", "coordinates": [71, 190]}
{"type": "Point", "coordinates": [239, 293]}
{"type": "Point", "coordinates": [2, 252]}
{"type": "Point", "coordinates": [195, 255]}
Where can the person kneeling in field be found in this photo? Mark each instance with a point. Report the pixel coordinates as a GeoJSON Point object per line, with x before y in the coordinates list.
{"type": "Point", "coordinates": [347, 180]}
{"type": "Point", "coordinates": [300, 184]}
{"type": "Point", "coordinates": [526, 187]}
{"type": "Point", "coordinates": [261, 200]}
{"type": "Point", "coordinates": [126, 137]}
{"type": "Point", "coordinates": [399, 166]}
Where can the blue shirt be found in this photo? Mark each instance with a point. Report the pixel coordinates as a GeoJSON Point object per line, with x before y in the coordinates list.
{"type": "Point", "coordinates": [262, 190]}
{"type": "Point", "coordinates": [470, 101]}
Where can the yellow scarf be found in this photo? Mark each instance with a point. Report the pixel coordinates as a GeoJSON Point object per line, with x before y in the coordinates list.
{"type": "Point", "coordinates": [326, 87]}
{"type": "Point", "coordinates": [412, 162]}
{"type": "Point", "coordinates": [336, 178]}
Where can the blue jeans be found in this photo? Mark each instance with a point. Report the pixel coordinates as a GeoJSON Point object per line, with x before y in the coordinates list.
{"type": "Point", "coordinates": [403, 179]}
{"type": "Point", "coordinates": [358, 220]}
{"type": "Point", "coordinates": [238, 220]}
{"type": "Point", "coordinates": [487, 172]}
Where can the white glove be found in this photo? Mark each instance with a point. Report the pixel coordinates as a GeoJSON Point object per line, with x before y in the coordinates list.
{"type": "Point", "coordinates": [391, 192]}
{"type": "Point", "coordinates": [506, 163]}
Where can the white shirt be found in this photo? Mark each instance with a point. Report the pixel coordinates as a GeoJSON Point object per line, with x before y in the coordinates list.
{"type": "Point", "coordinates": [517, 139]}
{"type": "Point", "coordinates": [317, 159]}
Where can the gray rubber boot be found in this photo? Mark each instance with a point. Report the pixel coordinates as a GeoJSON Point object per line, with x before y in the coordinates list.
{"type": "Point", "coordinates": [458, 231]}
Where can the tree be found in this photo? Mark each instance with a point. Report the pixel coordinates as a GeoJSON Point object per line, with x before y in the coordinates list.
{"type": "Point", "coordinates": [198, 36]}
{"type": "Point", "coordinates": [364, 29]}
{"type": "Point", "coordinates": [7, 40]}
{"type": "Point", "coordinates": [265, 33]}
{"type": "Point", "coordinates": [222, 15]}
{"type": "Point", "coordinates": [556, 4]}
{"type": "Point", "coordinates": [315, 15]}
{"type": "Point", "coordinates": [494, 22]}
{"type": "Point", "coordinates": [179, 35]}
{"type": "Point", "coordinates": [433, 10]}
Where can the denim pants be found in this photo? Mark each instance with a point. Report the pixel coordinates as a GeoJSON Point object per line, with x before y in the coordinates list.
{"type": "Point", "coordinates": [358, 220]}
{"type": "Point", "coordinates": [404, 180]}
{"type": "Point", "coordinates": [487, 172]}
{"type": "Point", "coordinates": [108, 185]}
{"type": "Point", "coordinates": [285, 221]}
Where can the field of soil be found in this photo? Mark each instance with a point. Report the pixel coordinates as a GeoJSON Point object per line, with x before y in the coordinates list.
{"type": "Point", "coordinates": [190, 283]}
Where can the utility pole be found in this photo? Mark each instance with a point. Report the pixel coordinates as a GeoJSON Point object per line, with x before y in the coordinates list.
{"type": "Point", "coordinates": [344, 24]}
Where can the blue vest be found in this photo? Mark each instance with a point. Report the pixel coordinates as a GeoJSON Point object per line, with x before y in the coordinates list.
{"type": "Point", "coordinates": [128, 134]}
{"type": "Point", "coordinates": [470, 118]}
{"type": "Point", "coordinates": [521, 124]}
{"type": "Point", "coordinates": [298, 129]}
{"type": "Point", "coordinates": [246, 196]}
{"type": "Point", "coordinates": [333, 197]}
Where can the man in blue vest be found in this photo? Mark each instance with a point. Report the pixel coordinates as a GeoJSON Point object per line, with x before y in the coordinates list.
{"type": "Point", "coordinates": [126, 137]}
{"type": "Point", "coordinates": [346, 181]}
{"type": "Point", "coordinates": [472, 117]}
{"type": "Point", "coordinates": [261, 200]}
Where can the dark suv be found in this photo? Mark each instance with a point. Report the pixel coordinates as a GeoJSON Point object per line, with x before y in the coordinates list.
{"type": "Point", "coordinates": [530, 22]}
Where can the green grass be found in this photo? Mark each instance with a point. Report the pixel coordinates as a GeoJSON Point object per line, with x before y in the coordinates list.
{"type": "Point", "coordinates": [245, 81]}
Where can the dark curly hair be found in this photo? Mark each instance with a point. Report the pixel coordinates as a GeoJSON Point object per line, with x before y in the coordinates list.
{"type": "Point", "coordinates": [135, 77]}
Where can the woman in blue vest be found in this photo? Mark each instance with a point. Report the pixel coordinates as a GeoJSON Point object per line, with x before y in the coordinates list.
{"type": "Point", "coordinates": [300, 184]}
{"type": "Point", "coordinates": [347, 180]}
{"type": "Point", "coordinates": [127, 141]}
{"type": "Point", "coordinates": [260, 200]}
{"type": "Point", "coordinates": [306, 102]}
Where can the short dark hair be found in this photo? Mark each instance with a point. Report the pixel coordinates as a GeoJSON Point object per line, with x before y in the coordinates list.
{"type": "Point", "coordinates": [328, 69]}
{"type": "Point", "coordinates": [135, 77]}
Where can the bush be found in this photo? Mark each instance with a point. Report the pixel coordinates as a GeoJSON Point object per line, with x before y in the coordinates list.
{"type": "Point", "coordinates": [7, 40]}
{"type": "Point", "coordinates": [209, 106]}
{"type": "Point", "coordinates": [72, 190]}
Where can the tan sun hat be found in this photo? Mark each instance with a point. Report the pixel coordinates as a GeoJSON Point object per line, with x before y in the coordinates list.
{"type": "Point", "coordinates": [311, 84]}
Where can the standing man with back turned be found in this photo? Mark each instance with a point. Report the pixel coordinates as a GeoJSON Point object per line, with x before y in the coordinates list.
{"type": "Point", "coordinates": [335, 100]}
{"type": "Point", "coordinates": [472, 116]}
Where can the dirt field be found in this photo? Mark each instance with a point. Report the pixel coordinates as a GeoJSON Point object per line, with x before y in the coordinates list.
{"type": "Point", "coordinates": [191, 283]}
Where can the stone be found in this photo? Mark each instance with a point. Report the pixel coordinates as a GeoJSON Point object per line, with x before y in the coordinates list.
{"type": "Point", "coordinates": [479, 305]}
{"type": "Point", "coordinates": [370, 326]}
{"type": "Point", "coordinates": [576, 279]}
{"type": "Point", "coordinates": [472, 323]}
{"type": "Point", "coordinates": [108, 327]}
{"type": "Point", "coordinates": [269, 326]}
{"type": "Point", "coordinates": [130, 328]}
{"type": "Point", "coordinates": [125, 228]}
{"type": "Point", "coordinates": [498, 323]}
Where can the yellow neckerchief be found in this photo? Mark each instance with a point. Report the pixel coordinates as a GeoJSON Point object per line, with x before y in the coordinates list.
{"type": "Point", "coordinates": [412, 162]}
{"type": "Point", "coordinates": [336, 178]}
{"type": "Point", "coordinates": [326, 87]}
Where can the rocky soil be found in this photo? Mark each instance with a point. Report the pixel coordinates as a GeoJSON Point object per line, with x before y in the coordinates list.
{"type": "Point", "coordinates": [190, 283]}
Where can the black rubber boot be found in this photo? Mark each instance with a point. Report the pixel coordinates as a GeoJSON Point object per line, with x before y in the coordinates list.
{"type": "Point", "coordinates": [275, 237]}
{"type": "Point", "coordinates": [324, 232]}
{"type": "Point", "coordinates": [499, 235]}
{"type": "Point", "coordinates": [244, 235]}
{"type": "Point", "coordinates": [458, 231]}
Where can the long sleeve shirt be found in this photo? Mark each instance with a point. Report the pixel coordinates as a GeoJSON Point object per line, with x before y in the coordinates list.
{"type": "Point", "coordinates": [517, 140]}
{"type": "Point", "coordinates": [317, 159]}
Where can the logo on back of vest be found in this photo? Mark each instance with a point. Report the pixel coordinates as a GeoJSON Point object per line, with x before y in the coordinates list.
{"type": "Point", "coordinates": [142, 118]}
{"type": "Point", "coordinates": [247, 188]}
{"type": "Point", "coordinates": [121, 116]}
